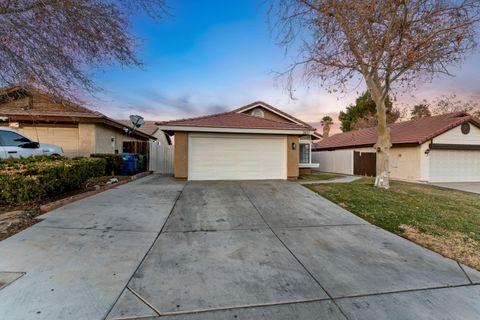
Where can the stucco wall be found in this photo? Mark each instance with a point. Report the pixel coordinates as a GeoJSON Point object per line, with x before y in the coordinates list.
{"type": "Point", "coordinates": [181, 155]}
{"type": "Point", "coordinates": [405, 162]}
{"type": "Point", "coordinates": [86, 139]}
{"type": "Point", "coordinates": [455, 136]}
{"type": "Point", "coordinates": [104, 136]}
{"type": "Point", "coordinates": [292, 157]}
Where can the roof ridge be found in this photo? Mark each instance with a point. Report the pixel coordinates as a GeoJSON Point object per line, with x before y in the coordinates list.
{"type": "Point", "coordinates": [234, 111]}
{"type": "Point", "coordinates": [274, 108]}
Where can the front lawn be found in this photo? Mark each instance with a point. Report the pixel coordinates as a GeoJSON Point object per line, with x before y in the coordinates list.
{"type": "Point", "coordinates": [318, 176]}
{"type": "Point", "coordinates": [443, 220]}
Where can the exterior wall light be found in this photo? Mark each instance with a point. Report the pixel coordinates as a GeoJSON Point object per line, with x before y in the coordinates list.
{"type": "Point", "coordinates": [427, 151]}
{"type": "Point", "coordinates": [294, 146]}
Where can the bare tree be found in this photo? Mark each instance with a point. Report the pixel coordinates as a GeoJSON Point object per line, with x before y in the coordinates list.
{"type": "Point", "coordinates": [451, 103]}
{"type": "Point", "coordinates": [55, 44]}
{"type": "Point", "coordinates": [326, 123]}
{"type": "Point", "coordinates": [386, 43]}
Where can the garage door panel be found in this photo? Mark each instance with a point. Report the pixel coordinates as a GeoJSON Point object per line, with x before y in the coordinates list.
{"type": "Point", "coordinates": [454, 166]}
{"type": "Point", "coordinates": [214, 157]}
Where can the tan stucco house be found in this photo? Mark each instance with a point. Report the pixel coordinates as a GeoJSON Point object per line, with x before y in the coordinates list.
{"type": "Point", "coordinates": [256, 141]}
{"type": "Point", "coordinates": [444, 148]}
{"type": "Point", "coordinates": [78, 130]}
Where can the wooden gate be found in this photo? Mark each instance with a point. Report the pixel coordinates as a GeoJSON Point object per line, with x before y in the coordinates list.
{"type": "Point", "coordinates": [161, 158]}
{"type": "Point", "coordinates": [365, 163]}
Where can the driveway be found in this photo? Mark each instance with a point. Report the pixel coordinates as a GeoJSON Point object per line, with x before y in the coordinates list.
{"type": "Point", "coordinates": [473, 187]}
{"type": "Point", "coordinates": [225, 250]}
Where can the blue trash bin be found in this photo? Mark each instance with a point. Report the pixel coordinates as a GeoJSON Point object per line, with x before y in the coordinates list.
{"type": "Point", "coordinates": [130, 163]}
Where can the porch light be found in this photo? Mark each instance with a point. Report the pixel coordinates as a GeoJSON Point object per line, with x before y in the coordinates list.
{"type": "Point", "coordinates": [427, 151]}
{"type": "Point", "coordinates": [294, 146]}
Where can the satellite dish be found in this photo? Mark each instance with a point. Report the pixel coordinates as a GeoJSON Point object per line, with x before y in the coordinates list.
{"type": "Point", "coordinates": [137, 121]}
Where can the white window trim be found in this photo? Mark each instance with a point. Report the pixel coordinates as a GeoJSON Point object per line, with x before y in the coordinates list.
{"type": "Point", "coordinates": [305, 164]}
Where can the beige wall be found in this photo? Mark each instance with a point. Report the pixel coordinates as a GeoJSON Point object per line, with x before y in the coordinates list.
{"type": "Point", "coordinates": [65, 137]}
{"type": "Point", "coordinates": [104, 136]}
{"type": "Point", "coordinates": [86, 139]}
{"type": "Point", "coordinates": [292, 157]}
{"type": "Point", "coordinates": [181, 155]}
{"type": "Point", "coordinates": [404, 162]}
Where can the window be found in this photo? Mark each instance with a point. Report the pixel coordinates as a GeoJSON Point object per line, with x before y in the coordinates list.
{"type": "Point", "coordinates": [257, 112]}
{"type": "Point", "coordinates": [305, 152]}
{"type": "Point", "coordinates": [12, 139]}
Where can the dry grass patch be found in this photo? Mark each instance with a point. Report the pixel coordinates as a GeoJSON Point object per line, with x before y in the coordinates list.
{"type": "Point", "coordinates": [453, 245]}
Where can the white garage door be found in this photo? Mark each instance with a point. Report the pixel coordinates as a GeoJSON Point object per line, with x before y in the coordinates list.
{"type": "Point", "coordinates": [454, 166]}
{"type": "Point", "coordinates": [236, 157]}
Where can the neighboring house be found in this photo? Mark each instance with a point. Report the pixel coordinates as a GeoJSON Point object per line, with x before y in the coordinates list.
{"type": "Point", "coordinates": [443, 148]}
{"type": "Point", "coordinates": [256, 141]}
{"type": "Point", "coordinates": [150, 128]}
{"type": "Point", "coordinates": [78, 130]}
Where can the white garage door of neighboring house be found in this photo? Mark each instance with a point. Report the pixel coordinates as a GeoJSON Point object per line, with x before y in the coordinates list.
{"type": "Point", "coordinates": [454, 166]}
{"type": "Point", "coordinates": [235, 157]}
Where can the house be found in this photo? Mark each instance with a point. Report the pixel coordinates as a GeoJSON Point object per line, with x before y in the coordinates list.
{"type": "Point", "coordinates": [150, 128]}
{"type": "Point", "coordinates": [444, 148]}
{"type": "Point", "coordinates": [78, 130]}
{"type": "Point", "coordinates": [257, 141]}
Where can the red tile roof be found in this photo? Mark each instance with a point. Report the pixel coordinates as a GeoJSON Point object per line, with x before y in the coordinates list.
{"type": "Point", "coordinates": [408, 132]}
{"type": "Point", "coordinates": [235, 120]}
{"type": "Point", "coordinates": [261, 103]}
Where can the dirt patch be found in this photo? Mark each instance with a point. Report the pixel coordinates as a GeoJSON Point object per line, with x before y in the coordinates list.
{"type": "Point", "coordinates": [453, 245]}
{"type": "Point", "coordinates": [15, 221]}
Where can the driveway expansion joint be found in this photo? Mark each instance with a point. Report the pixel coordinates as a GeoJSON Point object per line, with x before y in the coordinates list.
{"type": "Point", "coordinates": [294, 256]}
{"type": "Point", "coordinates": [464, 272]}
{"type": "Point", "coordinates": [145, 301]}
{"type": "Point", "coordinates": [280, 303]}
{"type": "Point", "coordinates": [405, 291]}
{"type": "Point", "coordinates": [145, 256]}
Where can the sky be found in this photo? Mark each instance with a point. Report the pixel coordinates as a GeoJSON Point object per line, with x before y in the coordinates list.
{"type": "Point", "coordinates": [211, 56]}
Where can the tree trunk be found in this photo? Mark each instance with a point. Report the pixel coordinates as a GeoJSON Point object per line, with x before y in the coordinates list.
{"type": "Point", "coordinates": [326, 130]}
{"type": "Point", "coordinates": [383, 144]}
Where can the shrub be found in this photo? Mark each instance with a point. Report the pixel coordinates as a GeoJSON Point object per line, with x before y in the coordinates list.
{"type": "Point", "coordinates": [114, 162]}
{"type": "Point", "coordinates": [31, 179]}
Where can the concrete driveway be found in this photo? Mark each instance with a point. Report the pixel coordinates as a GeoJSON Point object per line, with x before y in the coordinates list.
{"type": "Point", "coordinates": [473, 187]}
{"type": "Point", "coordinates": [225, 250]}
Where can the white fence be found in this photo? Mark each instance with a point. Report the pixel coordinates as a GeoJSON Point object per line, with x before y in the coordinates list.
{"type": "Point", "coordinates": [161, 158]}
{"type": "Point", "coordinates": [338, 161]}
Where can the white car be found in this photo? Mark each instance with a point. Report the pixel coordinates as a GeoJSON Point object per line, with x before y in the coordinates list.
{"type": "Point", "coordinates": [15, 145]}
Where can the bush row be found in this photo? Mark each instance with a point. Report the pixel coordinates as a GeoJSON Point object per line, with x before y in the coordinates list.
{"type": "Point", "coordinates": [31, 179]}
{"type": "Point", "coordinates": [114, 162]}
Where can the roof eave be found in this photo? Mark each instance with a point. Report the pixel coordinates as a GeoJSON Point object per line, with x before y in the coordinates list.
{"type": "Point", "coordinates": [299, 131]}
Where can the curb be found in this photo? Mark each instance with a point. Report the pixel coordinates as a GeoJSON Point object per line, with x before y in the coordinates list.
{"type": "Point", "coordinates": [62, 202]}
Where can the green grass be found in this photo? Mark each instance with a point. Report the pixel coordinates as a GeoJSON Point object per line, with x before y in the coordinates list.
{"type": "Point", "coordinates": [431, 210]}
{"type": "Point", "coordinates": [319, 176]}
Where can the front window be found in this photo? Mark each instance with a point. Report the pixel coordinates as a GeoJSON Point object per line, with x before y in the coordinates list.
{"type": "Point", "coordinates": [305, 152]}
{"type": "Point", "coordinates": [12, 139]}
